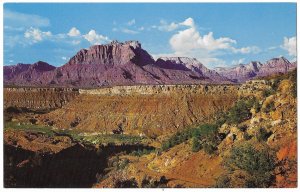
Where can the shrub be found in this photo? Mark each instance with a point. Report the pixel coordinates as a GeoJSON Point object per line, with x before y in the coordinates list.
{"type": "Point", "coordinates": [257, 106]}
{"type": "Point", "coordinates": [247, 137]}
{"type": "Point", "coordinates": [240, 112]}
{"type": "Point", "coordinates": [223, 182]}
{"type": "Point", "coordinates": [259, 165]}
{"type": "Point", "coordinates": [262, 134]}
{"type": "Point", "coordinates": [242, 128]}
{"type": "Point", "coordinates": [293, 78]}
{"type": "Point", "coordinates": [196, 145]}
{"type": "Point", "coordinates": [268, 92]}
{"type": "Point", "coordinates": [275, 84]}
{"type": "Point", "coordinates": [209, 148]}
{"type": "Point", "coordinates": [130, 183]}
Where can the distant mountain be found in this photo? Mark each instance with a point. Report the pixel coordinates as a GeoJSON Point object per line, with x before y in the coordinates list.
{"type": "Point", "coordinates": [189, 64]}
{"type": "Point", "coordinates": [244, 72]}
{"type": "Point", "coordinates": [112, 64]}
{"type": "Point", "coordinates": [128, 64]}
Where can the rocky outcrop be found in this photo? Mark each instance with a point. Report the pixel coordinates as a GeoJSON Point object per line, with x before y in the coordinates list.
{"type": "Point", "coordinates": [112, 54]}
{"type": "Point", "coordinates": [150, 110]}
{"type": "Point", "coordinates": [244, 72]}
{"type": "Point", "coordinates": [38, 98]}
{"type": "Point", "coordinates": [190, 64]}
{"type": "Point", "coordinates": [27, 73]}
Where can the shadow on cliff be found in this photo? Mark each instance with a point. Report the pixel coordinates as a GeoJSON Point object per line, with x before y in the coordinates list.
{"type": "Point", "coordinates": [74, 167]}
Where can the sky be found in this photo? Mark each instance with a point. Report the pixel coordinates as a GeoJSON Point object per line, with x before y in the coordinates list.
{"type": "Point", "coordinates": [217, 34]}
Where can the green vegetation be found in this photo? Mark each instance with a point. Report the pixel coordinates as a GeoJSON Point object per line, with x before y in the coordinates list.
{"type": "Point", "coordinates": [148, 182]}
{"type": "Point", "coordinates": [209, 148]}
{"type": "Point", "coordinates": [177, 138]}
{"type": "Point", "coordinates": [77, 136]}
{"type": "Point", "coordinates": [196, 145]}
{"type": "Point", "coordinates": [140, 153]}
{"type": "Point", "coordinates": [293, 78]}
{"type": "Point", "coordinates": [130, 183]}
{"type": "Point", "coordinates": [262, 134]}
{"type": "Point", "coordinates": [207, 136]}
{"type": "Point", "coordinates": [29, 127]}
{"type": "Point", "coordinates": [241, 111]}
{"type": "Point", "coordinates": [268, 92]}
{"type": "Point", "coordinates": [116, 163]}
{"type": "Point", "coordinates": [256, 165]}
{"type": "Point", "coordinates": [112, 138]}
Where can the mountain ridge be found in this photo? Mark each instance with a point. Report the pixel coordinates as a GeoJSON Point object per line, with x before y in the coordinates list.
{"type": "Point", "coordinates": [128, 63]}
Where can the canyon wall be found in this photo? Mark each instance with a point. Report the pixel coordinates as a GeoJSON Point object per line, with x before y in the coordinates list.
{"type": "Point", "coordinates": [38, 98]}
{"type": "Point", "coordinates": [139, 110]}
{"type": "Point", "coordinates": [150, 110]}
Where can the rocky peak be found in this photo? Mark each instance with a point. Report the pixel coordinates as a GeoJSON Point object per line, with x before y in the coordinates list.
{"type": "Point", "coordinates": [278, 62]}
{"type": "Point", "coordinates": [114, 53]}
{"type": "Point", "coordinates": [42, 66]}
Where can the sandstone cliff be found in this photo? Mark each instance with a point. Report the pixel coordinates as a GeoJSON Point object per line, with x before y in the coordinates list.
{"type": "Point", "coordinates": [38, 98]}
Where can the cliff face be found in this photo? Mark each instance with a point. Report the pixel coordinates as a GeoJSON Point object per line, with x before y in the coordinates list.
{"type": "Point", "coordinates": [38, 98]}
{"type": "Point", "coordinates": [150, 110]}
{"type": "Point", "coordinates": [111, 54]}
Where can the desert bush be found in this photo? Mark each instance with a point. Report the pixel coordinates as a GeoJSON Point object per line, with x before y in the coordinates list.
{"type": "Point", "coordinates": [293, 78]}
{"type": "Point", "coordinates": [142, 152]}
{"type": "Point", "coordinates": [209, 148]}
{"type": "Point", "coordinates": [223, 181]}
{"type": "Point", "coordinates": [240, 111]}
{"type": "Point", "coordinates": [262, 134]}
{"type": "Point", "coordinates": [130, 183]}
{"type": "Point", "coordinates": [257, 106]}
{"type": "Point", "coordinates": [196, 145]}
{"type": "Point", "coordinates": [258, 164]}
{"type": "Point", "coordinates": [149, 182]}
{"type": "Point", "coordinates": [247, 137]}
{"type": "Point", "coordinates": [268, 92]}
{"type": "Point", "coordinates": [242, 128]}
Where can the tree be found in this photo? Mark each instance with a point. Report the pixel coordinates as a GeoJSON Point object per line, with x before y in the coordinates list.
{"type": "Point", "coordinates": [258, 165]}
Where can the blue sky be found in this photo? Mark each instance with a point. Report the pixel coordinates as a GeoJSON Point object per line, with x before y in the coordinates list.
{"type": "Point", "coordinates": [216, 34]}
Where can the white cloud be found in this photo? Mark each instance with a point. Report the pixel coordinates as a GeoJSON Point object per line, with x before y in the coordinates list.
{"type": "Point", "coordinates": [65, 58]}
{"type": "Point", "coordinates": [189, 39]}
{"type": "Point", "coordinates": [115, 29]}
{"type": "Point", "coordinates": [129, 31]}
{"type": "Point", "coordinates": [36, 35]}
{"type": "Point", "coordinates": [272, 48]}
{"type": "Point", "coordinates": [164, 26]}
{"type": "Point", "coordinates": [237, 62]}
{"type": "Point", "coordinates": [74, 32]}
{"type": "Point", "coordinates": [131, 22]}
{"type": "Point", "coordinates": [141, 28]}
{"type": "Point", "coordinates": [75, 42]}
{"type": "Point", "coordinates": [246, 50]}
{"type": "Point", "coordinates": [206, 48]}
{"type": "Point", "coordinates": [16, 19]}
{"type": "Point", "coordinates": [290, 45]}
{"type": "Point", "coordinates": [188, 22]}
{"type": "Point", "coordinates": [10, 28]}
{"type": "Point", "coordinates": [95, 38]}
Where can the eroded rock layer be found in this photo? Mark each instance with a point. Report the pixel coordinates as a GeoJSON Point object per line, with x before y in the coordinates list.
{"type": "Point", "coordinates": [38, 98]}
